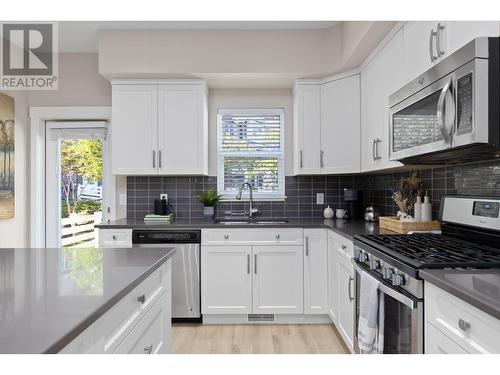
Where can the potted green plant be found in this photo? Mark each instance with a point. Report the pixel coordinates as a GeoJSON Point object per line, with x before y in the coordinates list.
{"type": "Point", "coordinates": [209, 199]}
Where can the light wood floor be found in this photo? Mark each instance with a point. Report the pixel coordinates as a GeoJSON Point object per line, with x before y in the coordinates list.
{"type": "Point", "coordinates": [256, 339]}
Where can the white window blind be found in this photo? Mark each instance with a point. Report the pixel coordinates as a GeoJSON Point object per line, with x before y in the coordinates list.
{"type": "Point", "coordinates": [251, 148]}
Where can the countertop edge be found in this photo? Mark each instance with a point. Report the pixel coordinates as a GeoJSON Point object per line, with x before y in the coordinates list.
{"type": "Point", "coordinates": [86, 323]}
{"type": "Point", "coordinates": [220, 226]}
{"type": "Point", "coordinates": [460, 293]}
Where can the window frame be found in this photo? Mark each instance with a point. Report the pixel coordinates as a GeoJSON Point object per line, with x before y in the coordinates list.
{"type": "Point", "coordinates": [279, 195]}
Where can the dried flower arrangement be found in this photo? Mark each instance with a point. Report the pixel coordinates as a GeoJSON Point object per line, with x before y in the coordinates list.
{"type": "Point", "coordinates": [405, 194]}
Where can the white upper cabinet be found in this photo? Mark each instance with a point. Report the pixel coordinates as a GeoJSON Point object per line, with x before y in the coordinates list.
{"type": "Point", "coordinates": [327, 127]}
{"type": "Point", "coordinates": [159, 128]}
{"type": "Point", "coordinates": [420, 43]}
{"type": "Point", "coordinates": [134, 133]}
{"type": "Point", "coordinates": [460, 33]}
{"type": "Point", "coordinates": [427, 43]}
{"type": "Point", "coordinates": [307, 127]}
{"type": "Point", "coordinates": [315, 271]}
{"type": "Point", "coordinates": [379, 79]}
{"type": "Point", "coordinates": [182, 129]}
{"type": "Point", "coordinates": [340, 126]}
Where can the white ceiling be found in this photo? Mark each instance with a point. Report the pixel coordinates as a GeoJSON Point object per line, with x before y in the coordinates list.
{"type": "Point", "coordinates": [81, 36]}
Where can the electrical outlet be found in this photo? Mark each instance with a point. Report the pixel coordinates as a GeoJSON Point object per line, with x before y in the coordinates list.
{"type": "Point", "coordinates": [164, 196]}
{"type": "Point", "coordinates": [123, 199]}
{"type": "Point", "coordinates": [320, 198]}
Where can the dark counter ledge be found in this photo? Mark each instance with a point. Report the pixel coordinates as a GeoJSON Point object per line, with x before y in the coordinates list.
{"type": "Point", "coordinates": [479, 287]}
{"type": "Point", "coordinates": [346, 228]}
{"type": "Point", "coordinates": [50, 296]}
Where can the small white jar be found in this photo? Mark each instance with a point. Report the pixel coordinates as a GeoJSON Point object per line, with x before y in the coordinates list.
{"type": "Point", "coordinates": [328, 212]}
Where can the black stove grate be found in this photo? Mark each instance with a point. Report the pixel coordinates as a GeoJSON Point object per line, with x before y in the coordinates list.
{"type": "Point", "coordinates": [429, 250]}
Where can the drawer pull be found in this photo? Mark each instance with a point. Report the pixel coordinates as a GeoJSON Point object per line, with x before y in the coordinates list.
{"type": "Point", "coordinates": [148, 349]}
{"type": "Point", "coordinates": [226, 237]}
{"type": "Point", "coordinates": [277, 236]}
{"type": "Point", "coordinates": [464, 326]}
{"type": "Point", "coordinates": [114, 237]}
{"type": "Point", "coordinates": [141, 299]}
{"type": "Point", "coordinates": [344, 247]}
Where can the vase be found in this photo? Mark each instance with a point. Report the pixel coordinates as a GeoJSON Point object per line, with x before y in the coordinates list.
{"type": "Point", "coordinates": [208, 211]}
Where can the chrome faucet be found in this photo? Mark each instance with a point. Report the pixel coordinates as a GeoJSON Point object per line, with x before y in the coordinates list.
{"type": "Point", "coordinates": [252, 210]}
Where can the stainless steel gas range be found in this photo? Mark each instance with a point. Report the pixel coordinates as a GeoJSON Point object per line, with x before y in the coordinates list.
{"type": "Point", "coordinates": [470, 238]}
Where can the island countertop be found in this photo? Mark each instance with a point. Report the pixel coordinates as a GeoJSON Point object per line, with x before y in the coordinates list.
{"type": "Point", "coordinates": [49, 296]}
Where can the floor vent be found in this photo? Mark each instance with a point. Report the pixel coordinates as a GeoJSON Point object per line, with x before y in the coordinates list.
{"type": "Point", "coordinates": [261, 317]}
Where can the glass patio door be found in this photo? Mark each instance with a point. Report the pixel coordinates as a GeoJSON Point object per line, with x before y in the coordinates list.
{"type": "Point", "coordinates": [74, 182]}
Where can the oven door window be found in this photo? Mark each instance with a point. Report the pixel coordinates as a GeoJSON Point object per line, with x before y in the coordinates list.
{"type": "Point", "coordinates": [417, 124]}
{"type": "Point", "coordinates": [397, 327]}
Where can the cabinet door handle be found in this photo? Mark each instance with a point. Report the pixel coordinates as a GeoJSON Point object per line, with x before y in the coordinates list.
{"type": "Point", "coordinates": [248, 263]}
{"type": "Point", "coordinates": [141, 299]}
{"type": "Point", "coordinates": [307, 246]}
{"type": "Point", "coordinates": [439, 31]}
{"type": "Point", "coordinates": [159, 158]}
{"type": "Point", "coordinates": [226, 237]}
{"type": "Point", "coordinates": [351, 279]}
{"type": "Point", "coordinates": [114, 237]}
{"type": "Point", "coordinates": [255, 263]}
{"type": "Point", "coordinates": [278, 236]}
{"type": "Point", "coordinates": [154, 159]}
{"type": "Point", "coordinates": [300, 158]}
{"type": "Point", "coordinates": [431, 45]}
{"type": "Point", "coordinates": [373, 149]}
{"type": "Point", "coordinates": [344, 247]}
{"type": "Point", "coordinates": [321, 153]}
{"type": "Point", "coordinates": [377, 142]}
{"type": "Point", "coordinates": [148, 349]}
{"type": "Point", "coordinates": [464, 325]}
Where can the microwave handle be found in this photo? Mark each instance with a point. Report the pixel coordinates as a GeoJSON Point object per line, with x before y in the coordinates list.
{"type": "Point", "coordinates": [440, 114]}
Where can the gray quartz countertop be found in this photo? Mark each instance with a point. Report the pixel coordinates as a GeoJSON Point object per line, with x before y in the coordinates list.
{"type": "Point", "coordinates": [49, 296]}
{"type": "Point", "coordinates": [478, 287]}
{"type": "Point", "coordinates": [347, 228]}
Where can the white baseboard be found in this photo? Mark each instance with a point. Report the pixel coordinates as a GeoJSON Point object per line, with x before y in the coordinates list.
{"type": "Point", "coordinates": [278, 319]}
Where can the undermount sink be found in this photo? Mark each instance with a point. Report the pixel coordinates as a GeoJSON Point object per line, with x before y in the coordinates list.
{"type": "Point", "coordinates": [250, 221]}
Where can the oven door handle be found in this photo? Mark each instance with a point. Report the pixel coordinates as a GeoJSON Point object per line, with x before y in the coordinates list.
{"type": "Point", "coordinates": [412, 303]}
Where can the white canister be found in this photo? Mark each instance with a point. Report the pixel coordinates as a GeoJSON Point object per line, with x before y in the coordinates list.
{"type": "Point", "coordinates": [328, 212]}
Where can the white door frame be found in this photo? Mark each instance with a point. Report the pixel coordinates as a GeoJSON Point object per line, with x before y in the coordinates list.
{"type": "Point", "coordinates": [38, 117]}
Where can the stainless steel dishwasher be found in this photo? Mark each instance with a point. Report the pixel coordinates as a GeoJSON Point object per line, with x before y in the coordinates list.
{"type": "Point", "coordinates": [185, 267]}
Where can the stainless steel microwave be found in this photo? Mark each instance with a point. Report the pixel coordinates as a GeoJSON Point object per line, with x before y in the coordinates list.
{"type": "Point", "coordinates": [450, 113]}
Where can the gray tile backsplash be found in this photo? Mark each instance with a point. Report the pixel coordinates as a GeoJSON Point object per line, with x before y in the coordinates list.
{"type": "Point", "coordinates": [475, 179]}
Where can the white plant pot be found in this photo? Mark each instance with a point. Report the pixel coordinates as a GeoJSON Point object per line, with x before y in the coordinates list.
{"type": "Point", "coordinates": [208, 211]}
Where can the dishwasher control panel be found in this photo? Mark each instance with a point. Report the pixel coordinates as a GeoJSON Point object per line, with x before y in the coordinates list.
{"type": "Point", "coordinates": [166, 236]}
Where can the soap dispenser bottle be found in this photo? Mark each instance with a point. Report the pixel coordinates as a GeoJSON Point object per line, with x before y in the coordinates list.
{"type": "Point", "coordinates": [426, 209]}
{"type": "Point", "coordinates": [417, 209]}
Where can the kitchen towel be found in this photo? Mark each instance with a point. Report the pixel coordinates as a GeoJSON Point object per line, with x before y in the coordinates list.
{"type": "Point", "coordinates": [368, 314]}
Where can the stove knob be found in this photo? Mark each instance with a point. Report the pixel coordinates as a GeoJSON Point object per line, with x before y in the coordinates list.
{"type": "Point", "coordinates": [374, 264]}
{"type": "Point", "coordinates": [398, 279]}
{"type": "Point", "coordinates": [388, 272]}
{"type": "Point", "coordinates": [363, 257]}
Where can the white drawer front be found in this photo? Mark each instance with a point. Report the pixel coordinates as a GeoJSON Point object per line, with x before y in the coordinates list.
{"type": "Point", "coordinates": [437, 343]}
{"type": "Point", "coordinates": [469, 327]}
{"type": "Point", "coordinates": [252, 236]}
{"type": "Point", "coordinates": [115, 237]}
{"type": "Point", "coordinates": [117, 323]}
{"type": "Point", "coordinates": [149, 336]}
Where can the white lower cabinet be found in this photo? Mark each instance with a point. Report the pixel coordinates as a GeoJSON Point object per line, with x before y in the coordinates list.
{"type": "Point", "coordinates": [226, 280]}
{"type": "Point", "coordinates": [347, 305]}
{"type": "Point", "coordinates": [315, 271]}
{"type": "Point", "coordinates": [438, 343]}
{"type": "Point", "coordinates": [333, 270]}
{"type": "Point", "coordinates": [470, 328]}
{"type": "Point", "coordinates": [139, 323]}
{"type": "Point", "coordinates": [277, 280]}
